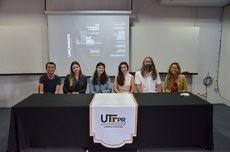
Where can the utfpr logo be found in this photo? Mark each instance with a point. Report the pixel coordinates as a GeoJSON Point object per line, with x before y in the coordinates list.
{"type": "Point", "coordinates": [111, 118]}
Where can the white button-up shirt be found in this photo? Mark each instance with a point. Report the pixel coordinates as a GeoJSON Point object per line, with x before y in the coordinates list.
{"type": "Point", "coordinates": [147, 83]}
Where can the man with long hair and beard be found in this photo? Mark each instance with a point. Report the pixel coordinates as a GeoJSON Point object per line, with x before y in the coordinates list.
{"type": "Point", "coordinates": [148, 79]}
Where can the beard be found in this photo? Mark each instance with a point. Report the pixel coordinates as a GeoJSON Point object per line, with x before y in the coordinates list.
{"type": "Point", "coordinates": [148, 67]}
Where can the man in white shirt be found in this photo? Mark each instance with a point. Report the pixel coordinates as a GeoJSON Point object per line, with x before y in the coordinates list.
{"type": "Point", "coordinates": [148, 79]}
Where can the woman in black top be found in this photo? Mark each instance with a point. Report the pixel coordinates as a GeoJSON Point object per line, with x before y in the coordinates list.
{"type": "Point", "coordinates": [75, 82]}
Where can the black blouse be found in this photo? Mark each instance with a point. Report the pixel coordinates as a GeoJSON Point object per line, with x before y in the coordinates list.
{"type": "Point", "coordinates": [80, 85]}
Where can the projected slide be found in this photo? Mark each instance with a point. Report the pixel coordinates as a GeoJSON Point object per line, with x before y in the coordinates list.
{"type": "Point", "coordinates": [88, 39]}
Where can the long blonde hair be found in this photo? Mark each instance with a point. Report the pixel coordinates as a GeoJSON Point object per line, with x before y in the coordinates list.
{"type": "Point", "coordinates": [71, 76]}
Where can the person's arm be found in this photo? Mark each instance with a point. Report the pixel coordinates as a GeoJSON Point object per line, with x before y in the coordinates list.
{"type": "Point", "coordinates": [84, 86]}
{"type": "Point", "coordinates": [57, 89]}
{"type": "Point", "coordinates": [159, 88]}
{"type": "Point", "coordinates": [132, 87]}
{"type": "Point", "coordinates": [166, 88]}
{"type": "Point", "coordinates": [139, 88]}
{"type": "Point", "coordinates": [185, 89]}
{"type": "Point", "coordinates": [108, 88]}
{"type": "Point", "coordinates": [115, 85]}
{"type": "Point", "coordinates": [166, 85]}
{"type": "Point", "coordinates": [91, 88]}
{"type": "Point", "coordinates": [75, 92]}
{"type": "Point", "coordinates": [65, 86]}
{"type": "Point", "coordinates": [41, 88]}
{"type": "Point", "coordinates": [41, 85]}
{"type": "Point", "coordinates": [58, 86]}
{"type": "Point", "coordinates": [138, 83]}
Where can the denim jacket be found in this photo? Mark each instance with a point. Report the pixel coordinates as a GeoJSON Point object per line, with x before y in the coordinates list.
{"type": "Point", "coordinates": [100, 88]}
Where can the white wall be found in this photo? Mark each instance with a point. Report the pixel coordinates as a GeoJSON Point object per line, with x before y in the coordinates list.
{"type": "Point", "coordinates": [208, 19]}
{"type": "Point", "coordinates": [23, 36]}
{"type": "Point", "coordinates": [148, 13]}
{"type": "Point", "coordinates": [224, 77]}
{"type": "Point", "coordinates": [21, 13]}
{"type": "Point", "coordinates": [151, 15]}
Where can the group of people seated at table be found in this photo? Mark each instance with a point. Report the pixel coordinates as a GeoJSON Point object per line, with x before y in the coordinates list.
{"type": "Point", "coordinates": [146, 80]}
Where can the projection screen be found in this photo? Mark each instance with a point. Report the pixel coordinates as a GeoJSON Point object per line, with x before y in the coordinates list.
{"type": "Point", "coordinates": [88, 38]}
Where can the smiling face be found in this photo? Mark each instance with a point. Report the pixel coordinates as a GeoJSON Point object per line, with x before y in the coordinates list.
{"type": "Point", "coordinates": [174, 69]}
{"type": "Point", "coordinates": [124, 68]}
{"type": "Point", "coordinates": [76, 69]}
{"type": "Point", "coordinates": [100, 70]}
{"type": "Point", "coordinates": [50, 68]}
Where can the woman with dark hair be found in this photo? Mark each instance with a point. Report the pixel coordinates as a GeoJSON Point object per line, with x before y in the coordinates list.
{"type": "Point", "coordinates": [100, 81]}
{"type": "Point", "coordinates": [124, 81]}
{"type": "Point", "coordinates": [75, 82]}
{"type": "Point", "coordinates": [174, 80]}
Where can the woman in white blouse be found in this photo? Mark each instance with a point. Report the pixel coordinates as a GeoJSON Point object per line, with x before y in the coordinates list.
{"type": "Point", "coordinates": [124, 81]}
